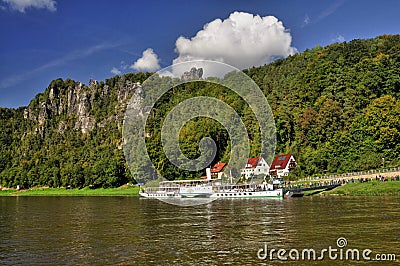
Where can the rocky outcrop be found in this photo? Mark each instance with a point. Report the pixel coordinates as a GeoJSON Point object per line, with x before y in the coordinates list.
{"type": "Point", "coordinates": [43, 113]}
{"type": "Point", "coordinates": [85, 123]}
{"type": "Point", "coordinates": [71, 104]}
{"type": "Point", "coordinates": [193, 74]}
{"type": "Point", "coordinates": [125, 89]}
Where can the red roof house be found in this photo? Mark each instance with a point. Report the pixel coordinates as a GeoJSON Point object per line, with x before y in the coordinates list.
{"type": "Point", "coordinates": [217, 168]}
{"type": "Point", "coordinates": [255, 166]}
{"type": "Point", "coordinates": [282, 165]}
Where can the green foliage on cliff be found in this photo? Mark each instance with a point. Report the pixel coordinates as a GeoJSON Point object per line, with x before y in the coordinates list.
{"type": "Point", "coordinates": [336, 109]}
{"type": "Point", "coordinates": [69, 136]}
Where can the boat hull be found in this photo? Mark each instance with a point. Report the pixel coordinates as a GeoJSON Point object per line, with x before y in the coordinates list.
{"type": "Point", "coordinates": [277, 193]}
{"type": "Point", "coordinates": [159, 195]}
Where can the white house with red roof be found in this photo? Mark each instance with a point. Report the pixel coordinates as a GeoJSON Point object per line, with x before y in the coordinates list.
{"type": "Point", "coordinates": [282, 165]}
{"type": "Point", "coordinates": [255, 167]}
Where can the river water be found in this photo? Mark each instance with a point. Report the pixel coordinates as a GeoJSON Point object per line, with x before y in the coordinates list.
{"type": "Point", "coordinates": [133, 231]}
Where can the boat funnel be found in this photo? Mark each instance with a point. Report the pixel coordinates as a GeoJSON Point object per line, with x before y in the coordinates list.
{"type": "Point", "coordinates": [208, 172]}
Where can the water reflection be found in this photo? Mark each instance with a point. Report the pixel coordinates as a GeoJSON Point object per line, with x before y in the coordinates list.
{"type": "Point", "coordinates": [127, 230]}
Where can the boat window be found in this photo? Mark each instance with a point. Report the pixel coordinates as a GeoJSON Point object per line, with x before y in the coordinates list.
{"type": "Point", "coordinates": [245, 194]}
{"type": "Point", "coordinates": [250, 193]}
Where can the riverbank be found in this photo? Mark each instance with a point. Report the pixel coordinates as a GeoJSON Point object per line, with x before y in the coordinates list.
{"type": "Point", "coordinates": [374, 188]}
{"type": "Point", "coordinates": [86, 191]}
{"type": "Point", "coordinates": [350, 189]}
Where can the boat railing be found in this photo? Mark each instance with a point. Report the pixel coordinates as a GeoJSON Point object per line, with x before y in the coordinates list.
{"type": "Point", "coordinates": [253, 187]}
{"type": "Point", "coordinates": [158, 189]}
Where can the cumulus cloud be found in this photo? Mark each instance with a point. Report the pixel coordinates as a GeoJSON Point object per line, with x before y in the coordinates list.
{"type": "Point", "coordinates": [22, 5]}
{"type": "Point", "coordinates": [115, 71]}
{"type": "Point", "coordinates": [242, 40]}
{"type": "Point", "coordinates": [148, 62]}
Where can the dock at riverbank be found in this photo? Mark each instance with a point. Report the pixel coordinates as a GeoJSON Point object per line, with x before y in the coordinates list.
{"type": "Point", "coordinates": [356, 175]}
{"type": "Point", "coordinates": [372, 182]}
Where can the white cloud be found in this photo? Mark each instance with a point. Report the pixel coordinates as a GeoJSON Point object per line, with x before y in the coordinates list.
{"type": "Point", "coordinates": [242, 40]}
{"type": "Point", "coordinates": [339, 38]}
{"type": "Point", "coordinates": [148, 62]}
{"type": "Point", "coordinates": [118, 70]}
{"type": "Point", "coordinates": [21, 5]}
{"type": "Point", "coordinates": [124, 66]}
{"type": "Point", "coordinates": [115, 71]}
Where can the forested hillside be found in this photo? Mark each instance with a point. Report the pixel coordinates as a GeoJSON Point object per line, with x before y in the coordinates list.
{"type": "Point", "coordinates": [68, 136]}
{"type": "Point", "coordinates": [336, 109]}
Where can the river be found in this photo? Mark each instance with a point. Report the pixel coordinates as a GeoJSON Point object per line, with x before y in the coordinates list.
{"type": "Point", "coordinates": [133, 231]}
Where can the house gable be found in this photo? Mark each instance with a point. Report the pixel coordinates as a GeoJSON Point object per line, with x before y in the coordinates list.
{"type": "Point", "coordinates": [282, 165]}
{"type": "Point", "coordinates": [255, 166]}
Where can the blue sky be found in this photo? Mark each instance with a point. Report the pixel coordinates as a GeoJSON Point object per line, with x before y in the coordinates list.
{"type": "Point", "coordinates": [46, 39]}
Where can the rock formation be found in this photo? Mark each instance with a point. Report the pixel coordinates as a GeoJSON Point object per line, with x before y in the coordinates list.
{"type": "Point", "coordinates": [193, 74]}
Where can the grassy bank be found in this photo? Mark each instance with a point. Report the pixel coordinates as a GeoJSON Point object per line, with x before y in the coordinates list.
{"type": "Point", "coordinates": [367, 188]}
{"type": "Point", "coordinates": [121, 191]}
